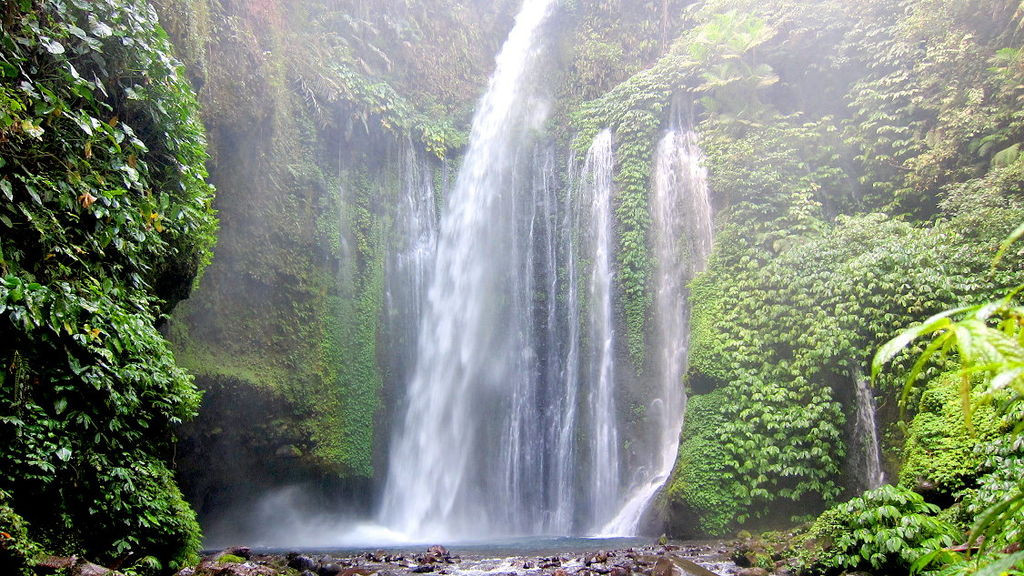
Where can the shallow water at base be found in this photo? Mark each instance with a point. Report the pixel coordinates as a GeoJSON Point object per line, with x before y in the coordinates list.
{"type": "Point", "coordinates": [527, 556]}
{"type": "Point", "coordinates": [509, 547]}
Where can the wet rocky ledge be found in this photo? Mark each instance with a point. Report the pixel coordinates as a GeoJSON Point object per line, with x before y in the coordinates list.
{"type": "Point", "coordinates": [686, 559]}
{"type": "Point", "coordinates": [696, 559]}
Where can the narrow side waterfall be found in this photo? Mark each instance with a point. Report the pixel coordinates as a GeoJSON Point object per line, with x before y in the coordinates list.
{"type": "Point", "coordinates": [463, 462]}
{"type": "Point", "coordinates": [410, 260]}
{"type": "Point", "coordinates": [601, 434]}
{"type": "Point", "coordinates": [559, 368]}
{"type": "Point", "coordinates": [865, 432]}
{"type": "Point", "coordinates": [683, 234]}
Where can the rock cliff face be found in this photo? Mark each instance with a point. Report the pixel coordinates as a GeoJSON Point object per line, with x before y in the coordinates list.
{"type": "Point", "coordinates": [320, 120]}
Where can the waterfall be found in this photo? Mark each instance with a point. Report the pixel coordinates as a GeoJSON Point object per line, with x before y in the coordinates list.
{"type": "Point", "coordinates": [601, 433]}
{"type": "Point", "coordinates": [865, 432]}
{"type": "Point", "coordinates": [682, 234]}
{"type": "Point", "coordinates": [463, 462]}
{"type": "Point", "coordinates": [410, 259]}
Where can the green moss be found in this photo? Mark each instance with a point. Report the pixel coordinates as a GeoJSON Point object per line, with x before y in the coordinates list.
{"type": "Point", "coordinates": [940, 454]}
{"type": "Point", "coordinates": [346, 435]}
{"type": "Point", "coordinates": [701, 466]}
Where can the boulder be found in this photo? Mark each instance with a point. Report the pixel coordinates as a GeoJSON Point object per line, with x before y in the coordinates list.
{"type": "Point", "coordinates": [301, 563]}
{"type": "Point", "coordinates": [438, 550]}
{"type": "Point", "coordinates": [663, 567]}
{"type": "Point", "coordinates": [90, 569]}
{"type": "Point", "coordinates": [210, 567]}
{"type": "Point", "coordinates": [752, 571]}
{"type": "Point", "coordinates": [329, 569]}
{"type": "Point", "coordinates": [74, 566]}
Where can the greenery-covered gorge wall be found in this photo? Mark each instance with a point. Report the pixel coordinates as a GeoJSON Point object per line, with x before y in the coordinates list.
{"type": "Point", "coordinates": [840, 220]}
{"type": "Point", "coordinates": [857, 189]}
{"type": "Point", "coordinates": [865, 166]}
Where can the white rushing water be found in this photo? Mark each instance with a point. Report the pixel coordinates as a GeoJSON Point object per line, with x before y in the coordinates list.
{"type": "Point", "coordinates": [602, 434]}
{"type": "Point", "coordinates": [865, 432]}
{"type": "Point", "coordinates": [682, 225]}
{"type": "Point", "coordinates": [464, 462]}
{"type": "Point", "coordinates": [410, 260]}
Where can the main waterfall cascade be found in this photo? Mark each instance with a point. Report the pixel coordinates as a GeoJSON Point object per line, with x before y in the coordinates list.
{"type": "Point", "coordinates": [512, 418]}
{"type": "Point", "coordinates": [464, 462]}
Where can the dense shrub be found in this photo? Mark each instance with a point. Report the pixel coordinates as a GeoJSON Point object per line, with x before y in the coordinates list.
{"type": "Point", "coordinates": [940, 453]}
{"type": "Point", "coordinates": [106, 223]}
{"type": "Point", "coordinates": [883, 531]}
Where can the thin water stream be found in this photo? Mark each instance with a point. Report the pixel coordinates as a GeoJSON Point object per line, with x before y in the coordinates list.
{"type": "Point", "coordinates": [682, 222]}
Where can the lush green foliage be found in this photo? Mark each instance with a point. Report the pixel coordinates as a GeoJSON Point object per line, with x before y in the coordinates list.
{"type": "Point", "coordinates": [883, 531]}
{"type": "Point", "coordinates": [811, 271]}
{"type": "Point", "coordinates": [988, 343]}
{"type": "Point", "coordinates": [702, 461]}
{"type": "Point", "coordinates": [940, 453]}
{"type": "Point", "coordinates": [17, 549]}
{"type": "Point", "coordinates": [106, 224]}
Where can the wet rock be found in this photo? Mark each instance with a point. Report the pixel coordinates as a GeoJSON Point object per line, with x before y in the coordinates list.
{"type": "Point", "coordinates": [329, 569]}
{"type": "Point", "coordinates": [618, 571]}
{"type": "Point", "coordinates": [301, 563]}
{"type": "Point", "coordinates": [186, 572]}
{"type": "Point", "coordinates": [439, 551]}
{"type": "Point", "coordinates": [560, 572]}
{"type": "Point", "coordinates": [307, 573]}
{"type": "Point", "coordinates": [243, 552]}
{"type": "Point", "coordinates": [422, 569]}
{"type": "Point", "coordinates": [90, 569]}
{"type": "Point", "coordinates": [436, 555]}
{"type": "Point", "coordinates": [57, 563]}
{"type": "Point", "coordinates": [663, 567]}
{"type": "Point", "coordinates": [752, 571]}
{"type": "Point", "coordinates": [213, 568]}
{"type": "Point", "coordinates": [74, 566]}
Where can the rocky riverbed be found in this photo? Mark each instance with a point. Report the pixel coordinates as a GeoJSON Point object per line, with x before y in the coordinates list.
{"type": "Point", "coordinates": [692, 559]}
